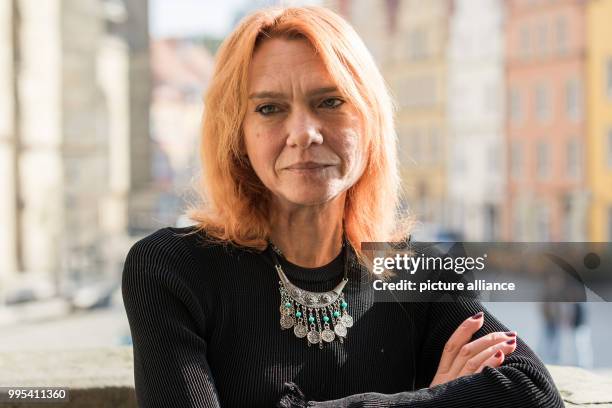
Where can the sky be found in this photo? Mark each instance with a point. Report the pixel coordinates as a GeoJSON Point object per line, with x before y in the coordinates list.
{"type": "Point", "coordinates": [180, 18]}
{"type": "Point", "coordinates": [184, 18]}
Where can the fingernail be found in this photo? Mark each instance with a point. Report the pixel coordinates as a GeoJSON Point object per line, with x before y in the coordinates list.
{"type": "Point", "coordinates": [477, 315]}
{"type": "Point", "coordinates": [511, 334]}
{"type": "Point", "coordinates": [498, 354]}
{"type": "Point", "coordinates": [511, 341]}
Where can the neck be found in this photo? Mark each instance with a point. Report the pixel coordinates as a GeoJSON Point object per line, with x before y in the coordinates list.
{"type": "Point", "coordinates": [308, 236]}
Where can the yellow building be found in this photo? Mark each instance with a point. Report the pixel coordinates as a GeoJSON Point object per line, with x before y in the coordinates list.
{"type": "Point", "coordinates": [417, 73]}
{"type": "Point", "coordinates": [599, 94]}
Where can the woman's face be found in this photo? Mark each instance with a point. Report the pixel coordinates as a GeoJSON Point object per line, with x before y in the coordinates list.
{"type": "Point", "coordinates": [303, 139]}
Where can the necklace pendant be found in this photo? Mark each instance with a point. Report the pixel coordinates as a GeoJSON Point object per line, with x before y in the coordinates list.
{"type": "Point", "coordinates": [287, 321]}
{"type": "Point", "coordinates": [314, 337]}
{"type": "Point", "coordinates": [300, 330]}
{"type": "Point", "coordinates": [340, 330]}
{"type": "Point", "coordinates": [346, 320]}
{"type": "Point", "coordinates": [328, 335]}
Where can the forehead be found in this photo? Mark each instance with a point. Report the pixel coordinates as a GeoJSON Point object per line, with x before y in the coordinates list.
{"type": "Point", "coordinates": [277, 61]}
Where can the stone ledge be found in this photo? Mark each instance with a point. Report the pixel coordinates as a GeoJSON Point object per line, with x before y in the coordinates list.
{"type": "Point", "coordinates": [581, 388]}
{"type": "Point", "coordinates": [103, 378]}
{"type": "Point", "coordinates": [100, 378]}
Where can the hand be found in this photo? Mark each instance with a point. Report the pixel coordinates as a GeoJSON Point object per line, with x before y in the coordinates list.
{"type": "Point", "coordinates": [461, 358]}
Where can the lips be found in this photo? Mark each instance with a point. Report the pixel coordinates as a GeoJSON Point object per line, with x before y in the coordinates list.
{"type": "Point", "coordinates": [307, 166]}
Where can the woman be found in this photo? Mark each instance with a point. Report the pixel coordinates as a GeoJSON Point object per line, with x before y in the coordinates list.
{"type": "Point", "coordinates": [299, 167]}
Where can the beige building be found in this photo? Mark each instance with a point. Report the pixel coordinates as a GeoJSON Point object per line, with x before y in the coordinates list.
{"type": "Point", "coordinates": [74, 137]}
{"type": "Point", "coordinates": [409, 41]}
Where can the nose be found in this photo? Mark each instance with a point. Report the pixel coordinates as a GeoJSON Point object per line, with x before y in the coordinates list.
{"type": "Point", "coordinates": [303, 129]}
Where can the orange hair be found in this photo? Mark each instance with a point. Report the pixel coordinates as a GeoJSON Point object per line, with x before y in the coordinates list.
{"type": "Point", "coordinates": [234, 202]}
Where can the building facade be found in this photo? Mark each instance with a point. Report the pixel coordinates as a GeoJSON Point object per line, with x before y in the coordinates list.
{"type": "Point", "coordinates": [74, 134]}
{"type": "Point", "coordinates": [476, 93]}
{"type": "Point", "coordinates": [546, 198]}
{"type": "Point", "coordinates": [409, 40]}
{"type": "Point", "coordinates": [599, 91]}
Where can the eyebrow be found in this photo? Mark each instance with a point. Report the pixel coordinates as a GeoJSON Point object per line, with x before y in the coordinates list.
{"type": "Point", "coordinates": [270, 94]}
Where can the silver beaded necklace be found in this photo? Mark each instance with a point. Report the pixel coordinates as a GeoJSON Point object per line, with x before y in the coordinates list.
{"type": "Point", "coordinates": [304, 310]}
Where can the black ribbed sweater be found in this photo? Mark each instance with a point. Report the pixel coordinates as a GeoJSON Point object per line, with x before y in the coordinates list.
{"type": "Point", "coordinates": [205, 328]}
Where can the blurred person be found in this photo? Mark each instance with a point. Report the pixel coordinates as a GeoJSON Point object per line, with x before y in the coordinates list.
{"type": "Point", "coordinates": [550, 343]}
{"type": "Point", "coordinates": [262, 302]}
{"type": "Point", "coordinates": [580, 332]}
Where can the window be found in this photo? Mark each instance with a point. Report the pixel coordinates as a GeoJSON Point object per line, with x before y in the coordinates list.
{"type": "Point", "coordinates": [610, 224]}
{"type": "Point", "coordinates": [493, 162]}
{"type": "Point", "coordinates": [573, 99]}
{"type": "Point", "coordinates": [490, 98]}
{"type": "Point", "coordinates": [416, 152]}
{"type": "Point", "coordinates": [435, 145]}
{"type": "Point", "coordinates": [515, 106]}
{"type": "Point", "coordinates": [542, 223]}
{"type": "Point", "coordinates": [609, 149]}
{"type": "Point", "coordinates": [573, 158]}
{"type": "Point", "coordinates": [417, 91]}
{"type": "Point", "coordinates": [566, 216]}
{"type": "Point", "coordinates": [417, 43]}
{"type": "Point", "coordinates": [609, 78]}
{"type": "Point", "coordinates": [542, 43]}
{"type": "Point", "coordinates": [490, 226]}
{"type": "Point", "coordinates": [517, 222]}
{"type": "Point", "coordinates": [542, 102]}
{"type": "Point", "coordinates": [516, 160]}
{"type": "Point", "coordinates": [524, 47]}
{"type": "Point", "coordinates": [458, 157]}
{"type": "Point", "coordinates": [543, 163]}
{"type": "Point", "coordinates": [561, 35]}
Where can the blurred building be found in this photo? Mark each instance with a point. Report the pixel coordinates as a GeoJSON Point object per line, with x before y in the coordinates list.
{"type": "Point", "coordinates": [476, 171]}
{"type": "Point", "coordinates": [409, 41]}
{"type": "Point", "coordinates": [10, 251]}
{"type": "Point", "coordinates": [181, 70]}
{"type": "Point", "coordinates": [546, 120]}
{"type": "Point", "coordinates": [599, 135]}
{"type": "Point", "coordinates": [74, 134]}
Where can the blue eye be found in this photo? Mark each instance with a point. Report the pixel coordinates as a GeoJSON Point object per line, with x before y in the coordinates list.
{"type": "Point", "coordinates": [262, 109]}
{"type": "Point", "coordinates": [332, 106]}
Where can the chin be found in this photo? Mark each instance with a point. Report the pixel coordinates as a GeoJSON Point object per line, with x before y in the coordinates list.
{"type": "Point", "coordinates": [308, 197]}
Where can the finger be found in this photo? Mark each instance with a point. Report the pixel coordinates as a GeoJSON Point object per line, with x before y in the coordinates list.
{"type": "Point", "coordinates": [473, 349]}
{"type": "Point", "coordinates": [494, 361]}
{"type": "Point", "coordinates": [460, 336]}
{"type": "Point", "coordinates": [471, 366]}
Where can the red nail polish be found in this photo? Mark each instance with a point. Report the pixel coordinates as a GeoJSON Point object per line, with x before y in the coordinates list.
{"type": "Point", "coordinates": [498, 354]}
{"type": "Point", "coordinates": [477, 315]}
{"type": "Point", "coordinates": [511, 334]}
{"type": "Point", "coordinates": [511, 341]}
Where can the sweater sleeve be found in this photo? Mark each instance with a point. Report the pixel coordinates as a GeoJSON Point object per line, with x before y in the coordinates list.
{"type": "Point", "coordinates": [167, 325]}
{"type": "Point", "coordinates": [521, 381]}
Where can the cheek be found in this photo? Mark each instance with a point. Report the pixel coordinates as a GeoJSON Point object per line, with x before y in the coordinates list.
{"type": "Point", "coordinates": [262, 151]}
{"type": "Point", "coordinates": [351, 151]}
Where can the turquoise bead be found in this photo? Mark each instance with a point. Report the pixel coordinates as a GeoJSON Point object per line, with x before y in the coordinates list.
{"type": "Point", "coordinates": [298, 314]}
{"type": "Point", "coordinates": [311, 319]}
{"type": "Point", "coordinates": [344, 305]}
{"type": "Point", "coordinates": [326, 319]}
{"type": "Point", "coordinates": [336, 313]}
{"type": "Point", "coordinates": [288, 304]}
